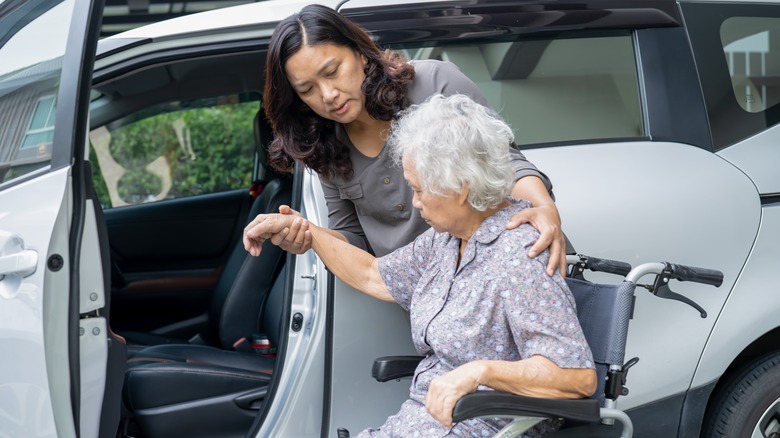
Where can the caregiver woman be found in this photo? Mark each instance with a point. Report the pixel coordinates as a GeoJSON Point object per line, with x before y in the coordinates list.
{"type": "Point", "coordinates": [330, 95]}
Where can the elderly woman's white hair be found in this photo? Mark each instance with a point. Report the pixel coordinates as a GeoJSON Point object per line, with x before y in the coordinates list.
{"type": "Point", "coordinates": [454, 144]}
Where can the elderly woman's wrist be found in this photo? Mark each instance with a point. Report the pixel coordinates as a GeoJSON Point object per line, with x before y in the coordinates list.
{"type": "Point", "coordinates": [481, 370]}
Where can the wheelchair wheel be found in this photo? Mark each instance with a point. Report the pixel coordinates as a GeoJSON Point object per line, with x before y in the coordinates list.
{"type": "Point", "coordinates": [748, 405]}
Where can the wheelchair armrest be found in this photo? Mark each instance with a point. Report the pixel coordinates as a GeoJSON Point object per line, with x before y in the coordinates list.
{"type": "Point", "coordinates": [502, 404]}
{"type": "Point", "coordinates": [394, 367]}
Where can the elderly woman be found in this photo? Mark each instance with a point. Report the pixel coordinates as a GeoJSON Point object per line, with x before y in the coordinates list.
{"type": "Point", "coordinates": [482, 316]}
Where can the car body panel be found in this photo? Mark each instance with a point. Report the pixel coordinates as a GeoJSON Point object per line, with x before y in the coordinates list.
{"type": "Point", "coordinates": [754, 299]}
{"type": "Point", "coordinates": [248, 15]}
{"type": "Point", "coordinates": [26, 398]}
{"type": "Point", "coordinates": [759, 158]}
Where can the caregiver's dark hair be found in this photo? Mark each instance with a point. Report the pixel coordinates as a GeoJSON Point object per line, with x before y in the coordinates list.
{"type": "Point", "coordinates": [299, 133]}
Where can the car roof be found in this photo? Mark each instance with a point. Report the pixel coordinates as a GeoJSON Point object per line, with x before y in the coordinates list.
{"type": "Point", "coordinates": [263, 16]}
{"type": "Point", "coordinates": [270, 11]}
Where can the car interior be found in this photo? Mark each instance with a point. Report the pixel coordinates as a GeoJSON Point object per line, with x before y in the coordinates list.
{"type": "Point", "coordinates": [187, 298]}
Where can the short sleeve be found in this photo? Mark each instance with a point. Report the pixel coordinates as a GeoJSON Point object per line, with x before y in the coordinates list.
{"type": "Point", "coordinates": [402, 269]}
{"type": "Point", "coordinates": [342, 217]}
{"type": "Point", "coordinates": [543, 318]}
{"type": "Point", "coordinates": [522, 168]}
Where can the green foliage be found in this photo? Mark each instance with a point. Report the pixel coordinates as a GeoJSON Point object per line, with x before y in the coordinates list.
{"type": "Point", "coordinates": [221, 155]}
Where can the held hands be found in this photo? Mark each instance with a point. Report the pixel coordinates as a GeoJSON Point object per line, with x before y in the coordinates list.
{"type": "Point", "coordinates": [288, 230]}
{"type": "Point", "coordinates": [445, 390]}
{"type": "Point", "coordinates": [297, 239]}
{"type": "Point", "coordinates": [546, 220]}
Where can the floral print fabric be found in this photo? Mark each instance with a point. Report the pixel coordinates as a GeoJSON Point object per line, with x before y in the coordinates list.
{"type": "Point", "coordinates": [497, 305]}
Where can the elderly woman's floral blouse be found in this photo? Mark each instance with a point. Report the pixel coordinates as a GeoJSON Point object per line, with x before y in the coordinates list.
{"type": "Point", "coordinates": [497, 304]}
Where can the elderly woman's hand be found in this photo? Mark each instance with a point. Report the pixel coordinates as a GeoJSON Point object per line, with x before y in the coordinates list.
{"type": "Point", "coordinates": [297, 239]}
{"type": "Point", "coordinates": [445, 390]}
{"type": "Point", "coordinates": [546, 220]}
{"type": "Point", "coordinates": [269, 226]}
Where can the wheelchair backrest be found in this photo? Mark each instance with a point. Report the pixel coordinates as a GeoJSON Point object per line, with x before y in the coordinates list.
{"type": "Point", "coordinates": [604, 311]}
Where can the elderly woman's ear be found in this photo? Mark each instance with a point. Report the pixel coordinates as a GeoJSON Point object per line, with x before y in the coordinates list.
{"type": "Point", "coordinates": [463, 197]}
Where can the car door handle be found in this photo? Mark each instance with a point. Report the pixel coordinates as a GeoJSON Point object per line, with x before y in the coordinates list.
{"type": "Point", "coordinates": [23, 263]}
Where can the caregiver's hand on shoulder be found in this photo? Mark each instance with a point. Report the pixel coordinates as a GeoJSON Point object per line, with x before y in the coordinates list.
{"type": "Point", "coordinates": [546, 220]}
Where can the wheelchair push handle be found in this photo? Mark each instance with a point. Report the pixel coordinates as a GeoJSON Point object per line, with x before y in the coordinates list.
{"type": "Point", "coordinates": [696, 275]}
{"type": "Point", "coordinates": [609, 266]}
{"type": "Point", "coordinates": [580, 262]}
{"type": "Point", "coordinates": [666, 271]}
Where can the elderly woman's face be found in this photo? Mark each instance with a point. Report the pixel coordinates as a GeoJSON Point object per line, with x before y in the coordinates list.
{"type": "Point", "coordinates": [443, 213]}
{"type": "Point", "coordinates": [328, 78]}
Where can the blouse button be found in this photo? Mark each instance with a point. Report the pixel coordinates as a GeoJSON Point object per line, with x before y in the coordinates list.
{"type": "Point", "coordinates": [349, 195]}
{"type": "Point", "coordinates": [386, 181]}
{"type": "Point", "coordinates": [399, 207]}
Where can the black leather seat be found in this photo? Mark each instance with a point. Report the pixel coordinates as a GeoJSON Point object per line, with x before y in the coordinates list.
{"type": "Point", "coordinates": [244, 282]}
{"type": "Point", "coordinates": [206, 388]}
{"type": "Point", "coordinates": [202, 391]}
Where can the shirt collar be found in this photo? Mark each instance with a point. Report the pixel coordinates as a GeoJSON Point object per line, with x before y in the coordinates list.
{"type": "Point", "coordinates": [494, 225]}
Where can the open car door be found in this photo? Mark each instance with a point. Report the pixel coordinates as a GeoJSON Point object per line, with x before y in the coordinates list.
{"type": "Point", "coordinates": [51, 276]}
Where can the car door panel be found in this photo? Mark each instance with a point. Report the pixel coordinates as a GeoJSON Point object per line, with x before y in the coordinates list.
{"type": "Point", "coordinates": [46, 51]}
{"type": "Point", "coordinates": [24, 300]}
{"type": "Point", "coordinates": [170, 254]}
{"type": "Point", "coordinates": [652, 196]}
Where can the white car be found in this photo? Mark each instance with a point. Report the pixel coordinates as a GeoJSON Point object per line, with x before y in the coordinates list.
{"type": "Point", "coordinates": [126, 163]}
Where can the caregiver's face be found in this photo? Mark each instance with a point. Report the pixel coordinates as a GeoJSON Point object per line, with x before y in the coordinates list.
{"type": "Point", "coordinates": [328, 78]}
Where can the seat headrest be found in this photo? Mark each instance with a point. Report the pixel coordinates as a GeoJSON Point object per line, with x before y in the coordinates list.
{"type": "Point", "coordinates": [263, 137]}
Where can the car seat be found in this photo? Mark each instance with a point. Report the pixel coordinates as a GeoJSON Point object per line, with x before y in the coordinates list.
{"type": "Point", "coordinates": [203, 391]}
{"type": "Point", "coordinates": [244, 281]}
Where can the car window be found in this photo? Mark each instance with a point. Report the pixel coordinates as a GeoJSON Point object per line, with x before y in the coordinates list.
{"type": "Point", "coordinates": [752, 60]}
{"type": "Point", "coordinates": [29, 81]}
{"type": "Point", "coordinates": [175, 150]}
{"type": "Point", "coordinates": [555, 90]}
{"type": "Point", "coordinates": [737, 54]}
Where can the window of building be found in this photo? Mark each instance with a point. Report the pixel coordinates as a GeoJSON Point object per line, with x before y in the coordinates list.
{"type": "Point", "coordinates": [41, 130]}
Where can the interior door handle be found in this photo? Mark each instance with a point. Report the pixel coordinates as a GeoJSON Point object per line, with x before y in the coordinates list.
{"type": "Point", "coordinates": [23, 263]}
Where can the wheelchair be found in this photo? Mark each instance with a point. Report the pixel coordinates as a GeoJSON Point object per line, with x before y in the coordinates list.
{"type": "Point", "coordinates": [604, 311]}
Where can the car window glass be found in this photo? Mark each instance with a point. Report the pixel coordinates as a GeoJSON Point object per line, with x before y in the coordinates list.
{"type": "Point", "coordinates": [32, 44]}
{"type": "Point", "coordinates": [175, 150]}
{"type": "Point", "coordinates": [555, 90]}
{"type": "Point", "coordinates": [736, 51]}
{"type": "Point", "coordinates": [753, 60]}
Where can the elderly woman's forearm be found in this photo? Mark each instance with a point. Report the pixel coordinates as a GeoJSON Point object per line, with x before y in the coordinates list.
{"type": "Point", "coordinates": [538, 377]}
{"type": "Point", "coordinates": [352, 265]}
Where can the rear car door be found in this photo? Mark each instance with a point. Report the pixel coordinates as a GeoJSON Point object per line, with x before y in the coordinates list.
{"type": "Point", "coordinates": [46, 55]}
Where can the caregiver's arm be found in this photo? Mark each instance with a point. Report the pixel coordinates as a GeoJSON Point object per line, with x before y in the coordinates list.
{"type": "Point", "coordinates": [352, 265]}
